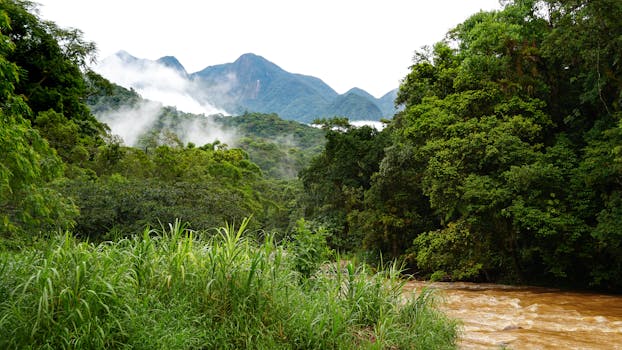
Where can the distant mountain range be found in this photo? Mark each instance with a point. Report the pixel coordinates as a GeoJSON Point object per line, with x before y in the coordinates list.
{"type": "Point", "coordinates": [253, 84]}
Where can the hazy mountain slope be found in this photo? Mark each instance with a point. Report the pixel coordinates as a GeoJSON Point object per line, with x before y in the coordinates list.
{"type": "Point", "coordinates": [361, 92]}
{"type": "Point", "coordinates": [280, 147]}
{"type": "Point", "coordinates": [172, 62]}
{"type": "Point", "coordinates": [355, 107]}
{"type": "Point", "coordinates": [253, 84]}
{"type": "Point", "coordinates": [386, 103]}
{"type": "Point", "coordinates": [318, 85]}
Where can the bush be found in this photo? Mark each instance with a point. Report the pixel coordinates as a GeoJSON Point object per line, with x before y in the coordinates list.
{"type": "Point", "coordinates": [308, 247]}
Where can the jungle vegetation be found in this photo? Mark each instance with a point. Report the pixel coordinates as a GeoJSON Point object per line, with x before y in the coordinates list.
{"type": "Point", "coordinates": [504, 164]}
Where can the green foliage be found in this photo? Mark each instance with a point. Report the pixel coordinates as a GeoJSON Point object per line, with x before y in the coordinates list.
{"type": "Point", "coordinates": [105, 96]}
{"type": "Point", "coordinates": [138, 188]}
{"type": "Point", "coordinates": [450, 253]}
{"type": "Point", "coordinates": [179, 289]}
{"type": "Point", "coordinates": [50, 61]}
{"type": "Point", "coordinates": [309, 248]}
{"type": "Point", "coordinates": [279, 147]}
{"type": "Point", "coordinates": [336, 179]}
{"type": "Point", "coordinates": [28, 166]}
{"type": "Point", "coordinates": [504, 163]}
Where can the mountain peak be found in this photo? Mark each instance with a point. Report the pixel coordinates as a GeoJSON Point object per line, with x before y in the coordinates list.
{"type": "Point", "coordinates": [250, 57]}
{"type": "Point", "coordinates": [172, 62]}
{"type": "Point", "coordinates": [360, 92]}
{"type": "Point", "coordinates": [125, 56]}
{"type": "Point", "coordinates": [249, 60]}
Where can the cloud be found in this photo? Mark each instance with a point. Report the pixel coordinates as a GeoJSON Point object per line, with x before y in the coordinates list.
{"type": "Point", "coordinates": [221, 92]}
{"type": "Point", "coordinates": [156, 82]}
{"type": "Point", "coordinates": [161, 86]}
{"type": "Point", "coordinates": [132, 122]}
{"type": "Point", "coordinates": [201, 130]}
{"type": "Point", "coordinates": [374, 124]}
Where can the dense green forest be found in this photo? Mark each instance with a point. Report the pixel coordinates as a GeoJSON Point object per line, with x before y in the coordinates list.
{"type": "Point", "coordinates": [505, 164]}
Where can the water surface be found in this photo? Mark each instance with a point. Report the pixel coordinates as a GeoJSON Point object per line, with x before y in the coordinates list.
{"type": "Point", "coordinates": [497, 316]}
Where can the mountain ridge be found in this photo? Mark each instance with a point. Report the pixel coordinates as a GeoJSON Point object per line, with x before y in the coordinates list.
{"type": "Point", "coordinates": [253, 83]}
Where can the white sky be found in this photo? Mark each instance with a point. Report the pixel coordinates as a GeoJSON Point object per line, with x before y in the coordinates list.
{"type": "Point", "coordinates": [347, 43]}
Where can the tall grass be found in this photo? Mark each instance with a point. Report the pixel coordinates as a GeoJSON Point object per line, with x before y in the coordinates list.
{"type": "Point", "coordinates": [177, 289]}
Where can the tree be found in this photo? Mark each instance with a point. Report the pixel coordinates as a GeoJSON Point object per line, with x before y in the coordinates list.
{"type": "Point", "coordinates": [511, 129]}
{"type": "Point", "coordinates": [337, 178]}
{"type": "Point", "coordinates": [52, 66]}
{"type": "Point", "coordinates": [28, 166]}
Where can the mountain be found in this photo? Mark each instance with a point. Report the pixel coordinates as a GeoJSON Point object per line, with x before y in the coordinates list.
{"type": "Point", "coordinates": [253, 83]}
{"type": "Point", "coordinates": [173, 63]}
{"type": "Point", "coordinates": [387, 103]}
{"type": "Point", "coordinates": [355, 106]}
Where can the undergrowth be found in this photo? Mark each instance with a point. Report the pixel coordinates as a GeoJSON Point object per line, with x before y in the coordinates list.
{"type": "Point", "coordinates": [178, 289]}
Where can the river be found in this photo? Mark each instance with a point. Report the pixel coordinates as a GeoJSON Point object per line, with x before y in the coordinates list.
{"type": "Point", "coordinates": [497, 316]}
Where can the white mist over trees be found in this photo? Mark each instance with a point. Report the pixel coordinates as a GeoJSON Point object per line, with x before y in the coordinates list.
{"type": "Point", "coordinates": [159, 85]}
{"type": "Point", "coordinates": [155, 81]}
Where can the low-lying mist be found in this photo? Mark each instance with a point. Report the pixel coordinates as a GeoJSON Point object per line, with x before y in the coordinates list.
{"type": "Point", "coordinates": [155, 81]}
{"type": "Point", "coordinates": [131, 123]}
{"type": "Point", "coordinates": [160, 86]}
{"type": "Point", "coordinates": [372, 123]}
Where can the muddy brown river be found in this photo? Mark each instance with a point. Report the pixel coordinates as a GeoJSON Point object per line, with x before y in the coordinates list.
{"type": "Point", "coordinates": [497, 316]}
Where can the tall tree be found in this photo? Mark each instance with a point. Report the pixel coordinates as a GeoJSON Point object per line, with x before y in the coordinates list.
{"type": "Point", "coordinates": [28, 166]}
{"type": "Point", "coordinates": [52, 65]}
{"type": "Point", "coordinates": [336, 179]}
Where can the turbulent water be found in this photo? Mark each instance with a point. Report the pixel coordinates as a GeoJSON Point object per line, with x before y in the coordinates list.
{"type": "Point", "coordinates": [496, 316]}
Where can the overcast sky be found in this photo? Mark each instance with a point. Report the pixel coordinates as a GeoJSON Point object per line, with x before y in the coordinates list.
{"type": "Point", "coordinates": [347, 43]}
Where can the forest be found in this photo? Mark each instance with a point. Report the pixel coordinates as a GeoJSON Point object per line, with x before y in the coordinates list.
{"type": "Point", "coordinates": [503, 165]}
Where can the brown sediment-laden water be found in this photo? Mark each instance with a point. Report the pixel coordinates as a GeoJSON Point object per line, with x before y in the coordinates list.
{"type": "Point", "coordinates": [516, 317]}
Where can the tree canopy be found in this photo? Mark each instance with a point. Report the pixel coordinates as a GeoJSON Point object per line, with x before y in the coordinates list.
{"type": "Point", "coordinates": [28, 165]}
{"type": "Point", "coordinates": [505, 163]}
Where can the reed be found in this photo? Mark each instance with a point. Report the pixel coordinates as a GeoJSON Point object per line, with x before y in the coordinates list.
{"type": "Point", "coordinates": [179, 289]}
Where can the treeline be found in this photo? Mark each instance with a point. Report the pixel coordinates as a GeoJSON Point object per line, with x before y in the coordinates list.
{"type": "Point", "coordinates": [506, 163]}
